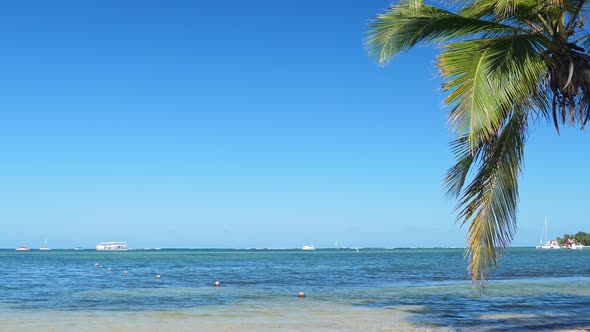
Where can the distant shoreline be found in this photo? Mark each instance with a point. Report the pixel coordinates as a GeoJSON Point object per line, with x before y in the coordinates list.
{"type": "Point", "coordinates": [264, 249]}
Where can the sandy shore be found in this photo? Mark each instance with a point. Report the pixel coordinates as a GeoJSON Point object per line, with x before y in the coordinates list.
{"type": "Point", "coordinates": [296, 316]}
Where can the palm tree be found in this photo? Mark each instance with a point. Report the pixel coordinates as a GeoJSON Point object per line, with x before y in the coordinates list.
{"type": "Point", "coordinates": [504, 63]}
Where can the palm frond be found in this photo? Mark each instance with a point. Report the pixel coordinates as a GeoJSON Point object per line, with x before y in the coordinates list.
{"type": "Point", "coordinates": [529, 13]}
{"type": "Point", "coordinates": [502, 9]}
{"type": "Point", "coordinates": [485, 78]}
{"type": "Point", "coordinates": [490, 201]}
{"type": "Point", "coordinates": [503, 63]}
{"type": "Point", "coordinates": [584, 41]}
{"type": "Point", "coordinates": [505, 8]}
{"type": "Point", "coordinates": [465, 156]}
{"type": "Point", "coordinates": [410, 23]}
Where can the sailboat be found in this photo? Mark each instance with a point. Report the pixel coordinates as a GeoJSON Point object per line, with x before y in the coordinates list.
{"type": "Point", "coordinates": [548, 244]}
{"type": "Point", "coordinates": [23, 248]}
{"type": "Point", "coordinates": [45, 246]}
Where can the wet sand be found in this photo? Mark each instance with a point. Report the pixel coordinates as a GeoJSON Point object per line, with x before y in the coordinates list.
{"type": "Point", "coordinates": [299, 315]}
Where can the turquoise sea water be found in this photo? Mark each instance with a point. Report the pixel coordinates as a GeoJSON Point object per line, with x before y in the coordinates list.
{"type": "Point", "coordinates": [426, 288]}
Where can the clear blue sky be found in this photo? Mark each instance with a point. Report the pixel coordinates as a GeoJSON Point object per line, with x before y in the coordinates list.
{"type": "Point", "coordinates": [236, 124]}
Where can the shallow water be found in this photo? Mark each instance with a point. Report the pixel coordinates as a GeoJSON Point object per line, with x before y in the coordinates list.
{"type": "Point", "coordinates": [373, 290]}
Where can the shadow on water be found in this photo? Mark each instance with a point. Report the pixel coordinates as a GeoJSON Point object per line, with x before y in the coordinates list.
{"type": "Point", "coordinates": [509, 305]}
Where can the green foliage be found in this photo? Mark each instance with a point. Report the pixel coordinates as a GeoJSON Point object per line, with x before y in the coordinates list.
{"type": "Point", "coordinates": [579, 237]}
{"type": "Point", "coordinates": [503, 63]}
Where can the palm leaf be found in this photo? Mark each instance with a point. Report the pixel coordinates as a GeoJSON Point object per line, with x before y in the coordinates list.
{"type": "Point", "coordinates": [486, 77]}
{"type": "Point", "coordinates": [465, 155]}
{"type": "Point", "coordinates": [410, 23]}
{"type": "Point", "coordinates": [584, 41]}
{"type": "Point", "coordinates": [490, 201]}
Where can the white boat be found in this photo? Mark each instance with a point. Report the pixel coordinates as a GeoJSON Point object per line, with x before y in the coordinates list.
{"type": "Point", "coordinates": [308, 247]}
{"type": "Point", "coordinates": [571, 244]}
{"type": "Point", "coordinates": [549, 244]}
{"type": "Point", "coordinates": [45, 246]}
{"type": "Point", "coordinates": [111, 246]}
{"type": "Point", "coordinates": [25, 248]}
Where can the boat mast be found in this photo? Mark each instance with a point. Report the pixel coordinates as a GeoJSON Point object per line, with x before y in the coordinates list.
{"type": "Point", "coordinates": [546, 229]}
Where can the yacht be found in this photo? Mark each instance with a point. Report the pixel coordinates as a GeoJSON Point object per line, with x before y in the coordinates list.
{"type": "Point", "coordinates": [308, 247]}
{"type": "Point", "coordinates": [111, 246]}
{"type": "Point", "coordinates": [549, 244]}
{"type": "Point", "coordinates": [25, 248]}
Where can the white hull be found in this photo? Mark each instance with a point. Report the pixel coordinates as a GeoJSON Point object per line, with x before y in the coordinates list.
{"type": "Point", "coordinates": [551, 245]}
{"type": "Point", "coordinates": [572, 245]}
{"type": "Point", "coordinates": [308, 247]}
{"type": "Point", "coordinates": [22, 249]}
{"type": "Point", "coordinates": [111, 246]}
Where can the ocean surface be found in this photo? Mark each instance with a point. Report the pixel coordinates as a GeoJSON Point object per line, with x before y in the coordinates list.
{"type": "Point", "coordinates": [369, 290]}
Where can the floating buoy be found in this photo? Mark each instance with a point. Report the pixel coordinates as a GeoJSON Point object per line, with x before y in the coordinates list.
{"type": "Point", "coordinates": [125, 272]}
{"type": "Point", "coordinates": [110, 268]}
{"type": "Point", "coordinates": [157, 276]}
{"type": "Point", "coordinates": [301, 294]}
{"type": "Point", "coordinates": [100, 266]}
{"type": "Point", "coordinates": [217, 283]}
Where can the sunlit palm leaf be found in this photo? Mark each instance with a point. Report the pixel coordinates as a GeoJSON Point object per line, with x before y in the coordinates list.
{"type": "Point", "coordinates": [514, 13]}
{"type": "Point", "coordinates": [406, 25]}
{"type": "Point", "coordinates": [490, 201]}
{"type": "Point", "coordinates": [485, 78]}
{"type": "Point", "coordinates": [466, 155]}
